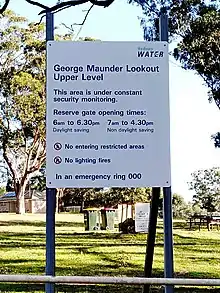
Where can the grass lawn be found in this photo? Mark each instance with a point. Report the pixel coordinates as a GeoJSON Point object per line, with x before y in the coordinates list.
{"type": "Point", "coordinates": [22, 251]}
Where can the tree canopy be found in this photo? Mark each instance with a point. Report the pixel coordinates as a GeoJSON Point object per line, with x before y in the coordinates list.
{"type": "Point", "coordinates": [58, 5]}
{"type": "Point", "coordinates": [2, 190]}
{"type": "Point", "coordinates": [181, 209]}
{"type": "Point", "coordinates": [99, 197]}
{"type": "Point", "coordinates": [206, 187]}
{"type": "Point", "coordinates": [194, 26]}
{"type": "Point", "coordinates": [22, 93]}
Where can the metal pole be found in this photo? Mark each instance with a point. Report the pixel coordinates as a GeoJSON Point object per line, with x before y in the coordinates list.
{"type": "Point", "coordinates": [167, 195]}
{"type": "Point", "coordinates": [168, 236]}
{"type": "Point", "coordinates": [49, 26]}
{"type": "Point", "coordinates": [50, 195]}
{"type": "Point", "coordinates": [151, 236]}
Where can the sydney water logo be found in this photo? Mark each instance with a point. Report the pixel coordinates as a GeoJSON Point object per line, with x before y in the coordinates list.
{"type": "Point", "coordinates": [149, 53]}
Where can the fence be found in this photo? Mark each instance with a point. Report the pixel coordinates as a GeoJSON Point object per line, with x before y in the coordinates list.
{"type": "Point", "coordinates": [85, 280]}
{"type": "Point", "coordinates": [73, 209]}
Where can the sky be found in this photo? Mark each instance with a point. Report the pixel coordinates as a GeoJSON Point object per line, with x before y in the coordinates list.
{"type": "Point", "coordinates": [193, 118]}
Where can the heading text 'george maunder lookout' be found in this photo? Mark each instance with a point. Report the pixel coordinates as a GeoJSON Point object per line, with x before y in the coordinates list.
{"type": "Point", "coordinates": [72, 73]}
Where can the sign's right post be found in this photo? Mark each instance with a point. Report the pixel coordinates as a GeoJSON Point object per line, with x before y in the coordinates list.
{"type": "Point", "coordinates": [167, 195]}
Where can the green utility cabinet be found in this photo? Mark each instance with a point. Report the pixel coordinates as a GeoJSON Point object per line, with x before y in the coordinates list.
{"type": "Point", "coordinates": [108, 218]}
{"type": "Point", "coordinates": [92, 219]}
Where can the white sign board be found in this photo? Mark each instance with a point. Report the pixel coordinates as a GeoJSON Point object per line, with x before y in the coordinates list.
{"type": "Point", "coordinates": [107, 114]}
{"type": "Point", "coordinates": [142, 214]}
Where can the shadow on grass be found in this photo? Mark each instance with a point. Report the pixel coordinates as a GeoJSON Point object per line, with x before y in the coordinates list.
{"type": "Point", "coordinates": [76, 241]}
{"type": "Point", "coordinates": [99, 289]}
{"type": "Point", "coordinates": [73, 288]}
{"type": "Point", "coordinates": [176, 224]}
{"type": "Point", "coordinates": [21, 288]}
{"type": "Point", "coordinates": [191, 241]}
{"type": "Point", "coordinates": [13, 261]}
{"type": "Point", "coordinates": [23, 223]}
{"type": "Point", "coordinates": [90, 240]}
{"type": "Point", "coordinates": [184, 225]}
{"type": "Point", "coordinates": [180, 225]}
{"type": "Point", "coordinates": [5, 235]}
{"type": "Point", "coordinates": [80, 243]}
{"type": "Point", "coordinates": [40, 224]}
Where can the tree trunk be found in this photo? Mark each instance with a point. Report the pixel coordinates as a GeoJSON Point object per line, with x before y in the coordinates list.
{"type": "Point", "coordinates": [59, 195]}
{"type": "Point", "coordinates": [20, 201]}
{"type": "Point", "coordinates": [57, 201]}
{"type": "Point", "coordinates": [82, 205]}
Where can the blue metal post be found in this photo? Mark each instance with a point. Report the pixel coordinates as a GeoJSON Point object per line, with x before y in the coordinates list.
{"type": "Point", "coordinates": [151, 236]}
{"type": "Point", "coordinates": [50, 195]}
{"type": "Point", "coordinates": [49, 26]}
{"type": "Point", "coordinates": [167, 195]}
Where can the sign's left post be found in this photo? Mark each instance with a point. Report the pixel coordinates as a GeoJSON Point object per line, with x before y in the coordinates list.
{"type": "Point", "coordinates": [50, 192]}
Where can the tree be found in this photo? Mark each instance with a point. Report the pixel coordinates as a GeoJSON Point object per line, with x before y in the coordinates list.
{"type": "Point", "coordinates": [180, 208]}
{"type": "Point", "coordinates": [199, 50]}
{"type": "Point", "coordinates": [132, 195]}
{"type": "Point", "coordinates": [9, 185]}
{"type": "Point", "coordinates": [38, 181]}
{"type": "Point", "coordinates": [23, 99]}
{"type": "Point", "coordinates": [216, 138]}
{"type": "Point", "coordinates": [99, 197]}
{"type": "Point", "coordinates": [59, 5]}
{"type": "Point", "coordinates": [206, 185]}
{"type": "Point", "coordinates": [22, 115]}
{"type": "Point", "coordinates": [194, 24]}
{"type": "Point", "coordinates": [2, 190]}
{"type": "Point", "coordinates": [22, 119]}
{"type": "Point", "coordinates": [114, 196]}
{"type": "Point", "coordinates": [84, 197]}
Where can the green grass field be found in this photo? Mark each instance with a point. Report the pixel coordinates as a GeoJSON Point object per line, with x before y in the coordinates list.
{"type": "Point", "coordinates": [22, 251]}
